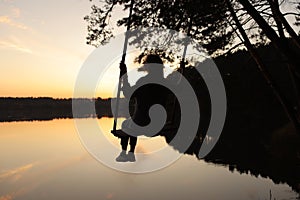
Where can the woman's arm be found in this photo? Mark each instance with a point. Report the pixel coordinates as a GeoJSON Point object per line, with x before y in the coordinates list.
{"type": "Point", "coordinates": [126, 88]}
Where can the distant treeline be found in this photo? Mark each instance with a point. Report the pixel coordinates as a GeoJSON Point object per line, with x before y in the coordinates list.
{"type": "Point", "coordinates": [47, 108]}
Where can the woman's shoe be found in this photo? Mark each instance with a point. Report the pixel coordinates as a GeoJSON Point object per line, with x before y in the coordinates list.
{"type": "Point", "coordinates": [122, 157]}
{"type": "Point", "coordinates": [130, 157]}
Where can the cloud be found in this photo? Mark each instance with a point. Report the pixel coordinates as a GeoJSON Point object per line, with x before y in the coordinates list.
{"type": "Point", "coordinates": [15, 172]}
{"type": "Point", "coordinates": [15, 46]}
{"type": "Point", "coordinates": [8, 21]}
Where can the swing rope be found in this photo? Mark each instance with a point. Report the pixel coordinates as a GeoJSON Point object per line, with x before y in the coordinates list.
{"type": "Point", "coordinates": [123, 69]}
{"type": "Point", "coordinates": [181, 69]}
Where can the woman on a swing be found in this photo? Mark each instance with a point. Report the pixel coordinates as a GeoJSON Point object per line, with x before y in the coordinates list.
{"type": "Point", "coordinates": [145, 95]}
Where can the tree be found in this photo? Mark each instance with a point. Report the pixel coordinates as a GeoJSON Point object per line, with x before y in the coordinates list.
{"type": "Point", "coordinates": [264, 70]}
{"type": "Point", "coordinates": [280, 42]}
{"type": "Point", "coordinates": [289, 53]}
{"type": "Point", "coordinates": [205, 19]}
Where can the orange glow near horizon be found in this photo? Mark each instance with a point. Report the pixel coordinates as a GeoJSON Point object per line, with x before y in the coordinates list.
{"type": "Point", "coordinates": [42, 47]}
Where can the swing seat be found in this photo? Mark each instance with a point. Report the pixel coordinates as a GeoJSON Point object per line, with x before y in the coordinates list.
{"type": "Point", "coordinates": [170, 126]}
{"type": "Point", "coordinates": [119, 133]}
{"type": "Point", "coordinates": [166, 130]}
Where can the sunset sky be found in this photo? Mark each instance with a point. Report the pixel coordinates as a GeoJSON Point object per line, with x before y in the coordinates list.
{"type": "Point", "coordinates": [42, 47]}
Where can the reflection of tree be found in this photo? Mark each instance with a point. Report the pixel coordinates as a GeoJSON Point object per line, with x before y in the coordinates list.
{"type": "Point", "coordinates": [256, 156]}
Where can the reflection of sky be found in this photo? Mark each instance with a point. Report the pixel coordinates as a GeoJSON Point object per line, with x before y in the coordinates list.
{"type": "Point", "coordinates": [45, 160]}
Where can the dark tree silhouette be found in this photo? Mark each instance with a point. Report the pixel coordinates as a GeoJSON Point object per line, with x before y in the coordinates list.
{"type": "Point", "coordinates": [279, 41]}
{"type": "Point", "coordinates": [205, 19]}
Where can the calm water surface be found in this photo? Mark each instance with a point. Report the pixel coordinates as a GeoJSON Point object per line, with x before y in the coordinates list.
{"type": "Point", "coordinates": [46, 160]}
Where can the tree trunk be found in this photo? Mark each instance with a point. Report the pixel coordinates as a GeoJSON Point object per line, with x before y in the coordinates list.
{"type": "Point", "coordinates": [275, 6]}
{"type": "Point", "coordinates": [271, 34]}
{"type": "Point", "coordinates": [276, 12]}
{"type": "Point", "coordinates": [263, 69]}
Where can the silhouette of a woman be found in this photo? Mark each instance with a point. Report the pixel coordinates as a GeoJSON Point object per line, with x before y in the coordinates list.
{"type": "Point", "coordinates": [145, 95]}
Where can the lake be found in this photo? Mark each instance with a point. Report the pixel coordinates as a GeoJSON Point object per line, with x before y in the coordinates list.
{"type": "Point", "coordinates": [46, 160]}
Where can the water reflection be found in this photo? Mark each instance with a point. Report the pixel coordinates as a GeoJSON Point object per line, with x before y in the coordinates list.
{"type": "Point", "coordinates": [45, 160]}
{"type": "Point", "coordinates": [277, 157]}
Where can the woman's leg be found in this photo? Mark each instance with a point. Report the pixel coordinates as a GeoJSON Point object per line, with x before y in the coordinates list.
{"type": "Point", "coordinates": [123, 156]}
{"type": "Point", "coordinates": [133, 141]}
{"type": "Point", "coordinates": [130, 155]}
{"type": "Point", "coordinates": [124, 142]}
